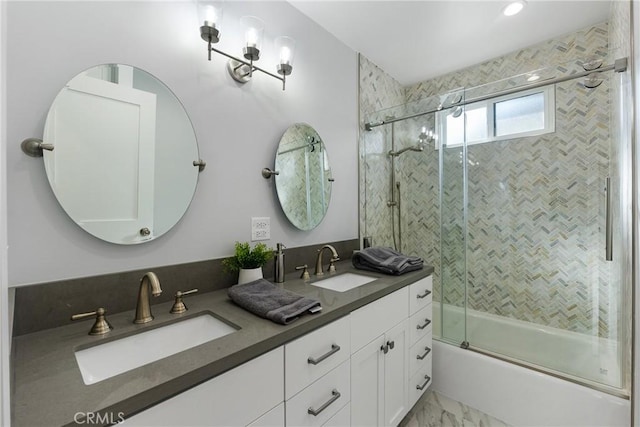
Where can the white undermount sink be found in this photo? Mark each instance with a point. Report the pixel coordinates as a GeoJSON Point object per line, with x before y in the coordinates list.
{"type": "Point", "coordinates": [106, 360]}
{"type": "Point", "coordinates": [343, 282]}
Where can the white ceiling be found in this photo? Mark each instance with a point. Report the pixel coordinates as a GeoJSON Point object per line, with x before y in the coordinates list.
{"type": "Point", "coordinates": [417, 40]}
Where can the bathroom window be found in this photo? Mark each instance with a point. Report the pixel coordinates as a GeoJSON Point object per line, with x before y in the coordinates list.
{"type": "Point", "coordinates": [526, 113]}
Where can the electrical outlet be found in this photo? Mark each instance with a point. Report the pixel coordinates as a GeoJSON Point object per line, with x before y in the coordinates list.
{"type": "Point", "coordinates": [260, 228]}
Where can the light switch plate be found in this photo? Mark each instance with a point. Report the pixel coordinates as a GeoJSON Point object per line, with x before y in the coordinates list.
{"type": "Point", "coordinates": [260, 228]}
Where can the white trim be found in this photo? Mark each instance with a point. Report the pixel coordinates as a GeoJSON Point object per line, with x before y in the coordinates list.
{"type": "Point", "coordinates": [5, 418]}
{"type": "Point", "coordinates": [635, 52]}
{"type": "Point", "coordinates": [549, 117]}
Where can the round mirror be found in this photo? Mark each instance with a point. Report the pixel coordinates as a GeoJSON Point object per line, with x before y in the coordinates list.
{"type": "Point", "coordinates": [304, 177]}
{"type": "Point", "coordinates": [122, 166]}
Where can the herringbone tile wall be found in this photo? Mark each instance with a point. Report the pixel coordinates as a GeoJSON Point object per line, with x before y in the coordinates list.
{"type": "Point", "coordinates": [534, 239]}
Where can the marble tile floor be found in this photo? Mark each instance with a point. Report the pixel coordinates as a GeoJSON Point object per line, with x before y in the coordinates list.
{"type": "Point", "coordinates": [436, 410]}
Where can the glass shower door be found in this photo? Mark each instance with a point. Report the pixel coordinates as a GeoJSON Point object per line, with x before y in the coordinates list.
{"type": "Point", "coordinates": [451, 129]}
{"type": "Point", "coordinates": [531, 204]}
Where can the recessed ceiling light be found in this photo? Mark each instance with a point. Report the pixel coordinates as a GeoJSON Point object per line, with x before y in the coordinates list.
{"type": "Point", "coordinates": [514, 7]}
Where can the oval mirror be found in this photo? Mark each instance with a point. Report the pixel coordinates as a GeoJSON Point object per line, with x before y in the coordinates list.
{"type": "Point", "coordinates": [122, 166]}
{"type": "Point", "coordinates": [304, 177]}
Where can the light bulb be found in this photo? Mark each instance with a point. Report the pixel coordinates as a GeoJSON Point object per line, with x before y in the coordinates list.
{"type": "Point", "coordinates": [252, 37]}
{"type": "Point", "coordinates": [210, 13]}
{"type": "Point", "coordinates": [285, 55]}
{"type": "Point", "coordinates": [254, 29]}
{"type": "Point", "coordinates": [286, 46]}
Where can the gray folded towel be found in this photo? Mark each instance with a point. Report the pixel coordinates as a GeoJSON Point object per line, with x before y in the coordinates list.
{"type": "Point", "coordinates": [271, 302]}
{"type": "Point", "coordinates": [385, 260]}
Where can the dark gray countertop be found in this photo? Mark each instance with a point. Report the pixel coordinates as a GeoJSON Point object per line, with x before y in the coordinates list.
{"type": "Point", "coordinates": [47, 386]}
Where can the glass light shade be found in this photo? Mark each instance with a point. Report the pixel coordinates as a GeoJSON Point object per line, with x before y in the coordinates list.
{"type": "Point", "coordinates": [254, 30]}
{"type": "Point", "coordinates": [210, 13]}
{"type": "Point", "coordinates": [286, 48]}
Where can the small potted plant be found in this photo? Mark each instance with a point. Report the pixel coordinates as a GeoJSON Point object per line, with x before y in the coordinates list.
{"type": "Point", "coordinates": [248, 262]}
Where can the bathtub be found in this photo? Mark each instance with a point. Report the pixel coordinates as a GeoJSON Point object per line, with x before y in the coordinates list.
{"type": "Point", "coordinates": [521, 396]}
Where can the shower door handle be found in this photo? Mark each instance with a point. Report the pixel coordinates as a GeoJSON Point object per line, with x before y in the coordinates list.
{"type": "Point", "coordinates": [608, 222]}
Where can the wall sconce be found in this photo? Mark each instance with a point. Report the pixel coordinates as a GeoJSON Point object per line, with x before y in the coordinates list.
{"type": "Point", "coordinates": [210, 15]}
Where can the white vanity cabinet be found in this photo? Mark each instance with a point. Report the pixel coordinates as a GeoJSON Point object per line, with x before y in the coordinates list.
{"type": "Point", "coordinates": [250, 393]}
{"type": "Point", "coordinates": [380, 362]}
{"type": "Point", "coordinates": [317, 376]}
{"type": "Point", "coordinates": [367, 368]}
{"type": "Point", "coordinates": [420, 327]}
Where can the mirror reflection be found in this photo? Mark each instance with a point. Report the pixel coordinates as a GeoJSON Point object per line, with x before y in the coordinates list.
{"type": "Point", "coordinates": [124, 150]}
{"type": "Point", "coordinates": [304, 180]}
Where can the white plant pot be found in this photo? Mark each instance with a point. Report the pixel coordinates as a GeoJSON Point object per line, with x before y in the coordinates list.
{"type": "Point", "coordinates": [247, 275]}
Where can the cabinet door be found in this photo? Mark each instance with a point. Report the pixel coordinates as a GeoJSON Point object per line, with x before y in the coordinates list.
{"type": "Point", "coordinates": [373, 319]}
{"type": "Point", "coordinates": [234, 398]}
{"type": "Point", "coordinates": [367, 384]}
{"type": "Point", "coordinates": [396, 374]}
{"type": "Point", "coordinates": [273, 418]}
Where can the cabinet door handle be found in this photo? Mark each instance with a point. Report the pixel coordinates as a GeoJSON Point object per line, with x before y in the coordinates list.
{"type": "Point", "coordinates": [334, 349]}
{"type": "Point", "coordinates": [391, 344]}
{"type": "Point", "coordinates": [426, 294]}
{"type": "Point", "coordinates": [423, 385]}
{"type": "Point", "coordinates": [335, 396]}
{"type": "Point", "coordinates": [427, 323]}
{"type": "Point", "coordinates": [426, 352]}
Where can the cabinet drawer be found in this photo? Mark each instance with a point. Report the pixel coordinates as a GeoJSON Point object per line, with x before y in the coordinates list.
{"type": "Point", "coordinates": [420, 353]}
{"type": "Point", "coordinates": [325, 398]}
{"type": "Point", "coordinates": [420, 325]}
{"type": "Point", "coordinates": [420, 294]}
{"type": "Point", "coordinates": [313, 355]}
{"type": "Point", "coordinates": [420, 382]}
{"type": "Point", "coordinates": [373, 319]}
{"type": "Point", "coordinates": [341, 419]}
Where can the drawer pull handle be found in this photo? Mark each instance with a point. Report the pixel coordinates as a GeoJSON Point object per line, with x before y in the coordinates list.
{"type": "Point", "coordinates": [423, 385]}
{"type": "Point", "coordinates": [422, 356]}
{"type": "Point", "coordinates": [427, 323]}
{"type": "Point", "coordinates": [335, 396]}
{"type": "Point", "coordinates": [334, 349]}
{"type": "Point", "coordinates": [426, 294]}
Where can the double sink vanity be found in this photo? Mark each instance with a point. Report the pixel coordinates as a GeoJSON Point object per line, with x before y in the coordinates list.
{"type": "Point", "coordinates": [217, 364]}
{"type": "Point", "coordinates": [363, 360]}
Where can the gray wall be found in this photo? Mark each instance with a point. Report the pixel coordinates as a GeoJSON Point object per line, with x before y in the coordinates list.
{"type": "Point", "coordinates": [238, 127]}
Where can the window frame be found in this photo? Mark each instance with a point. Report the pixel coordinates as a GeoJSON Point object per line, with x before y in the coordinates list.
{"type": "Point", "coordinates": [549, 112]}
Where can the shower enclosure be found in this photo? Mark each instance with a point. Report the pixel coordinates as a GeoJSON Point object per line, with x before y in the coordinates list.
{"type": "Point", "coordinates": [520, 198]}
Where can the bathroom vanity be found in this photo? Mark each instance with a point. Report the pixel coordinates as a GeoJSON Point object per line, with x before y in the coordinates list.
{"type": "Point", "coordinates": [368, 348]}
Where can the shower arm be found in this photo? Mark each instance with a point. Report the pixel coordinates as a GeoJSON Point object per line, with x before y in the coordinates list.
{"type": "Point", "coordinates": [619, 66]}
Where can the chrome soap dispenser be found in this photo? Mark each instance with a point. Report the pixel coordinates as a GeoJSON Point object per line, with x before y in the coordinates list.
{"type": "Point", "coordinates": [278, 269]}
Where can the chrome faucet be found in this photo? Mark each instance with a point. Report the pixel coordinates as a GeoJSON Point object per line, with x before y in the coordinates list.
{"type": "Point", "coordinates": [334, 258]}
{"type": "Point", "coordinates": [143, 308]}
